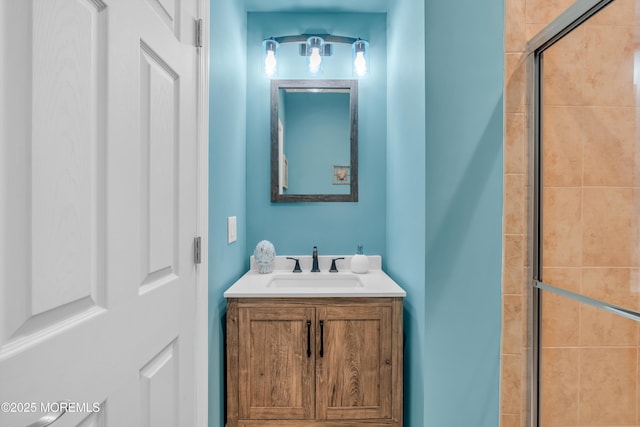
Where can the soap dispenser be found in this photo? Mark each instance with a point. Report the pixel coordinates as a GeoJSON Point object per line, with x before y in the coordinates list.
{"type": "Point", "coordinates": [359, 262]}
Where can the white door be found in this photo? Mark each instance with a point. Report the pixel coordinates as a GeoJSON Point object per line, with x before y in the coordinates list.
{"type": "Point", "coordinates": [98, 211]}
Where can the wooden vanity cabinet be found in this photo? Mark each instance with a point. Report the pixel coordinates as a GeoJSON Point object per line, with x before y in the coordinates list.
{"type": "Point", "coordinates": [325, 362]}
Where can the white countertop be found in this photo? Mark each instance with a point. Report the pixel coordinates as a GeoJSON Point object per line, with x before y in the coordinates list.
{"type": "Point", "coordinates": [283, 283]}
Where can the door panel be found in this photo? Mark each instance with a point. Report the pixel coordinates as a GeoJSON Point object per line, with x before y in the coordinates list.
{"type": "Point", "coordinates": [354, 372]}
{"type": "Point", "coordinates": [276, 370]}
{"type": "Point", "coordinates": [97, 186]}
{"type": "Point", "coordinates": [54, 225]}
{"type": "Point", "coordinates": [159, 104]}
{"type": "Point", "coordinates": [66, 176]}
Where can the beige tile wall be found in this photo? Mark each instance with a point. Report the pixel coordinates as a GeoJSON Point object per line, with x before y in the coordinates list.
{"type": "Point", "coordinates": [590, 358]}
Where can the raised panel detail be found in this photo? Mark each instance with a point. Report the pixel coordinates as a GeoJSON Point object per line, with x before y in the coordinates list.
{"type": "Point", "coordinates": [169, 12]}
{"type": "Point", "coordinates": [159, 170]}
{"type": "Point", "coordinates": [56, 224]}
{"type": "Point", "coordinates": [66, 165]}
{"type": "Point", "coordinates": [56, 277]}
{"type": "Point", "coordinates": [159, 389]}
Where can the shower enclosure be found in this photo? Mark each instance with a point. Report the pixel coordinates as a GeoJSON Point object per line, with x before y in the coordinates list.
{"type": "Point", "coordinates": [584, 179]}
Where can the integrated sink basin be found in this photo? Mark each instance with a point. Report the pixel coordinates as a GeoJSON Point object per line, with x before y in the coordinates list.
{"type": "Point", "coordinates": [318, 281]}
{"type": "Point", "coordinates": [284, 283]}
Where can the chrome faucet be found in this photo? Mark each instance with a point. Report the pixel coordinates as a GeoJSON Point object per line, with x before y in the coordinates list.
{"type": "Point", "coordinates": [314, 268]}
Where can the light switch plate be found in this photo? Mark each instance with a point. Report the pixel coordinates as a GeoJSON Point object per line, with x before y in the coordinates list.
{"type": "Point", "coordinates": [232, 229]}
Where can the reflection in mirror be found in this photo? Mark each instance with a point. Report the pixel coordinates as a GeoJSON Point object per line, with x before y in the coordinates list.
{"type": "Point", "coordinates": [314, 137]}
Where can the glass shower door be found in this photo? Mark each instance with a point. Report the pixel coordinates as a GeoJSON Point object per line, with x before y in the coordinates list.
{"type": "Point", "coordinates": [586, 253]}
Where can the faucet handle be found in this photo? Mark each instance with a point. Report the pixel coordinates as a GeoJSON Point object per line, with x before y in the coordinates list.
{"type": "Point", "coordinates": [296, 268]}
{"type": "Point", "coordinates": [333, 268]}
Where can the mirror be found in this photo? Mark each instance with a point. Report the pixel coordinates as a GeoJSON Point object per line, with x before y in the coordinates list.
{"type": "Point", "coordinates": [314, 140]}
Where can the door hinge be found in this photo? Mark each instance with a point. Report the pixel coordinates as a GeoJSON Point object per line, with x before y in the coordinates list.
{"type": "Point", "coordinates": [197, 250]}
{"type": "Point", "coordinates": [199, 32]}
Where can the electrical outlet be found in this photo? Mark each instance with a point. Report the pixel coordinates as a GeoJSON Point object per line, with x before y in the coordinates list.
{"type": "Point", "coordinates": [232, 229]}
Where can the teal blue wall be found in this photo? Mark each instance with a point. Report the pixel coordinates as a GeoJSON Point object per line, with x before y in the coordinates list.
{"type": "Point", "coordinates": [445, 69]}
{"type": "Point", "coordinates": [227, 172]}
{"type": "Point", "coordinates": [336, 228]}
{"type": "Point", "coordinates": [464, 173]}
{"type": "Point", "coordinates": [406, 206]}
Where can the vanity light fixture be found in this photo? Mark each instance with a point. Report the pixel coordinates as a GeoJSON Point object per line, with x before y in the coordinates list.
{"type": "Point", "coordinates": [315, 47]}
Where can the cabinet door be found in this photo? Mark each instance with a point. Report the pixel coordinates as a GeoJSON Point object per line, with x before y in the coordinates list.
{"type": "Point", "coordinates": [276, 363]}
{"type": "Point", "coordinates": [353, 362]}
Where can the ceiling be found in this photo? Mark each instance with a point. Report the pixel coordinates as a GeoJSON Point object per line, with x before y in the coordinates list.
{"type": "Point", "coordinates": [360, 6]}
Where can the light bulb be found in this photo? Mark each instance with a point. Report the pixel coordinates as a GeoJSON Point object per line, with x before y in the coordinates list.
{"type": "Point", "coordinates": [270, 63]}
{"type": "Point", "coordinates": [314, 60]}
{"type": "Point", "coordinates": [360, 64]}
{"type": "Point", "coordinates": [360, 57]}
